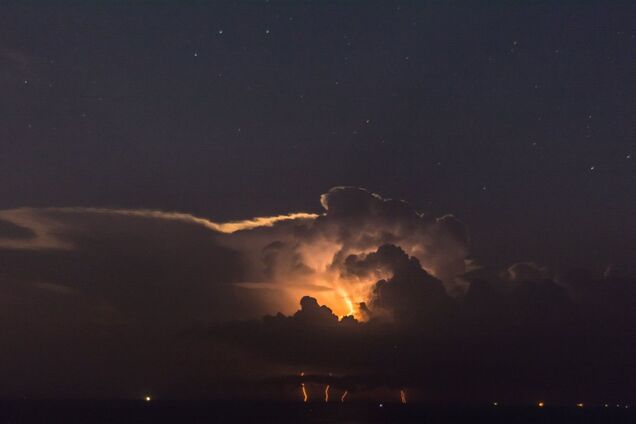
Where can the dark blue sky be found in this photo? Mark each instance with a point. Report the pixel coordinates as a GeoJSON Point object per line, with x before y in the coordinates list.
{"type": "Point", "coordinates": [517, 118]}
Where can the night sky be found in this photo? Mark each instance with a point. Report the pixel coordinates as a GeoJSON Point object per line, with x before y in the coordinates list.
{"type": "Point", "coordinates": [518, 119]}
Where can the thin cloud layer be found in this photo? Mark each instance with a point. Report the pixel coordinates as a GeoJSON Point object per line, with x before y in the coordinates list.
{"type": "Point", "coordinates": [42, 229]}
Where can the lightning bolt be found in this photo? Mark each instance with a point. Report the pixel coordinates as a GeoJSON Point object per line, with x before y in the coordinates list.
{"type": "Point", "coordinates": [303, 389]}
{"type": "Point", "coordinates": [344, 395]}
{"type": "Point", "coordinates": [350, 306]}
{"type": "Point", "coordinates": [327, 393]}
{"type": "Point", "coordinates": [403, 396]}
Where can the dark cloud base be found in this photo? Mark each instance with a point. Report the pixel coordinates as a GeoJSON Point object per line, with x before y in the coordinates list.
{"type": "Point", "coordinates": [516, 341]}
{"type": "Point", "coordinates": [117, 305]}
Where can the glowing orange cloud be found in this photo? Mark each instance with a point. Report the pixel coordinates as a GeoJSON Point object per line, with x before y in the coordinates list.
{"type": "Point", "coordinates": [307, 265]}
{"type": "Point", "coordinates": [224, 227]}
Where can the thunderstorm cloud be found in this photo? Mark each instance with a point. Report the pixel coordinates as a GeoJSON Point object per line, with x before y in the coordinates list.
{"type": "Point", "coordinates": [367, 293]}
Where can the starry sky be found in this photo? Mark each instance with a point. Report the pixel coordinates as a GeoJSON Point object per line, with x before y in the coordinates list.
{"type": "Point", "coordinates": [518, 118]}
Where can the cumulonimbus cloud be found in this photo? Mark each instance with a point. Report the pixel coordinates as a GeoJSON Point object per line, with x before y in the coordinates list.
{"type": "Point", "coordinates": [67, 272]}
{"type": "Point", "coordinates": [295, 254]}
{"type": "Point", "coordinates": [298, 259]}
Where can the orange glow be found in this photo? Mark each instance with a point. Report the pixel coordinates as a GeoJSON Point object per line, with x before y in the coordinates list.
{"type": "Point", "coordinates": [327, 393]}
{"type": "Point", "coordinates": [541, 404]}
{"type": "Point", "coordinates": [344, 395]}
{"type": "Point", "coordinates": [403, 396]}
{"type": "Point", "coordinates": [323, 280]}
{"type": "Point", "coordinates": [337, 293]}
{"type": "Point", "coordinates": [340, 293]}
{"type": "Point", "coordinates": [350, 306]}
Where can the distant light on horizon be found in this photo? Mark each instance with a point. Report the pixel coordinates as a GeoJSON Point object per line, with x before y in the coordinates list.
{"type": "Point", "coordinates": [541, 404]}
{"type": "Point", "coordinates": [147, 398]}
{"type": "Point", "coordinates": [403, 396]}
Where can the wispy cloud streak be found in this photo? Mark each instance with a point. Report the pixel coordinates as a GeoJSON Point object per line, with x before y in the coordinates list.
{"type": "Point", "coordinates": [45, 230]}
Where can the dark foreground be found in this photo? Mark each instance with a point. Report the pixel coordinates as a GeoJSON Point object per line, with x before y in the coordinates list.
{"type": "Point", "coordinates": [102, 412]}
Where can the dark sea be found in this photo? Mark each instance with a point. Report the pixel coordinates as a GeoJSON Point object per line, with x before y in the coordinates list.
{"type": "Point", "coordinates": [178, 412]}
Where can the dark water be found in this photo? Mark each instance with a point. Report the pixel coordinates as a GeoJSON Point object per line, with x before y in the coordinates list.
{"type": "Point", "coordinates": [98, 412]}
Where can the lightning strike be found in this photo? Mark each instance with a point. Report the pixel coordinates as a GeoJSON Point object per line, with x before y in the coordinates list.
{"type": "Point", "coordinates": [344, 395]}
{"type": "Point", "coordinates": [303, 389]}
{"type": "Point", "coordinates": [327, 393]}
{"type": "Point", "coordinates": [350, 306]}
